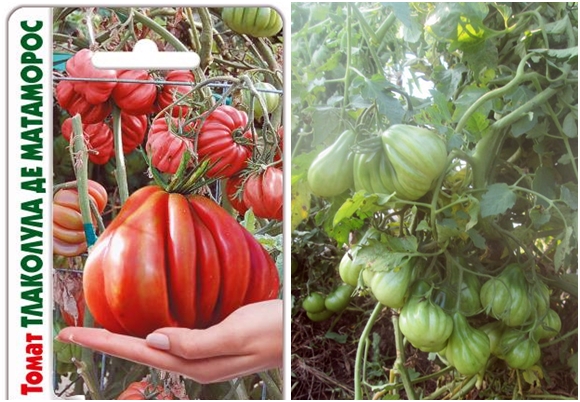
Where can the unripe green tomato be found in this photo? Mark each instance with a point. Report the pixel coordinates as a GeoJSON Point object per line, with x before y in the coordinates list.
{"type": "Point", "coordinates": [467, 348]}
{"type": "Point", "coordinates": [314, 303]}
{"type": "Point", "coordinates": [506, 297]}
{"type": "Point", "coordinates": [518, 350]}
{"type": "Point", "coordinates": [549, 327]}
{"type": "Point", "coordinates": [339, 299]}
{"type": "Point", "coordinates": [254, 21]}
{"type": "Point", "coordinates": [494, 331]}
{"type": "Point", "coordinates": [391, 287]}
{"type": "Point", "coordinates": [540, 299]}
{"type": "Point", "coordinates": [271, 99]}
{"type": "Point", "coordinates": [331, 172]}
{"type": "Point", "coordinates": [349, 271]}
{"type": "Point", "coordinates": [320, 316]}
{"type": "Point", "coordinates": [425, 324]}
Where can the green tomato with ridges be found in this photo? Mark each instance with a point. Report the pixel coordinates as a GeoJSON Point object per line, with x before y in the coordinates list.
{"type": "Point", "coordinates": [425, 324]}
{"type": "Point", "coordinates": [391, 287]}
{"type": "Point", "coordinates": [549, 326]}
{"type": "Point", "coordinates": [519, 350]}
{"type": "Point", "coordinates": [348, 269]}
{"type": "Point", "coordinates": [270, 99]}
{"type": "Point", "coordinates": [331, 172]}
{"type": "Point", "coordinates": [320, 316]}
{"type": "Point", "coordinates": [258, 22]}
{"type": "Point", "coordinates": [416, 158]}
{"type": "Point", "coordinates": [494, 331]}
{"type": "Point", "coordinates": [468, 349]}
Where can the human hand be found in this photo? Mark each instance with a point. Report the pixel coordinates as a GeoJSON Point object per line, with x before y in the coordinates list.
{"type": "Point", "coordinates": [249, 340]}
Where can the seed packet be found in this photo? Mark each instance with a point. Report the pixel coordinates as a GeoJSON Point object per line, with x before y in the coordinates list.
{"type": "Point", "coordinates": [145, 198]}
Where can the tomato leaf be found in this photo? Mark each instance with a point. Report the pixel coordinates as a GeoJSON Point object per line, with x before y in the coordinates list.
{"type": "Point", "coordinates": [340, 338]}
{"type": "Point", "coordinates": [498, 199]}
{"type": "Point", "coordinates": [299, 203]}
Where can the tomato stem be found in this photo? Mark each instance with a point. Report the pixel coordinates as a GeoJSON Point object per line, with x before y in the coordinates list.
{"type": "Point", "coordinates": [120, 170]}
{"type": "Point", "coordinates": [358, 392]}
{"type": "Point", "coordinates": [399, 364]}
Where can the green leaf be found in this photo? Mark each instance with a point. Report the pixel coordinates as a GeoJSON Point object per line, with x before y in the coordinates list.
{"type": "Point", "coordinates": [569, 126]}
{"type": "Point", "coordinates": [544, 183]}
{"type": "Point", "coordinates": [467, 98]}
{"type": "Point", "coordinates": [477, 239]}
{"type": "Point", "coordinates": [249, 221]}
{"type": "Point", "coordinates": [377, 89]}
{"type": "Point", "coordinates": [360, 203]}
{"type": "Point", "coordinates": [299, 203]}
{"type": "Point", "coordinates": [325, 124]}
{"type": "Point", "coordinates": [563, 251]}
{"type": "Point", "coordinates": [498, 199]}
{"type": "Point", "coordinates": [539, 216]}
{"type": "Point", "coordinates": [340, 338]}
{"type": "Point", "coordinates": [378, 257]}
{"type": "Point", "coordinates": [569, 195]}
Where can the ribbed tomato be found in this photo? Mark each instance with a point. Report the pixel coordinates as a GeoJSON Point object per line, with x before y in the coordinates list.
{"type": "Point", "coordinates": [81, 66]}
{"type": "Point", "coordinates": [254, 21]}
{"type": "Point", "coordinates": [223, 141]}
{"type": "Point", "coordinates": [99, 138]}
{"type": "Point", "coordinates": [134, 129]}
{"type": "Point", "coordinates": [74, 103]}
{"type": "Point", "coordinates": [264, 193]}
{"type": "Point", "coordinates": [68, 235]}
{"type": "Point", "coordinates": [135, 99]}
{"type": "Point", "coordinates": [170, 93]}
{"type": "Point", "coordinates": [167, 143]}
{"type": "Point", "coordinates": [233, 191]}
{"type": "Point", "coordinates": [174, 260]}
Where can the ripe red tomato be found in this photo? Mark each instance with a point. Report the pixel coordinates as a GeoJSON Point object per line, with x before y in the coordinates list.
{"type": "Point", "coordinates": [99, 139]}
{"type": "Point", "coordinates": [135, 99]}
{"type": "Point", "coordinates": [144, 390]}
{"type": "Point", "coordinates": [223, 141]}
{"type": "Point", "coordinates": [81, 66]}
{"type": "Point", "coordinates": [170, 93]}
{"type": "Point", "coordinates": [74, 103]}
{"type": "Point", "coordinates": [166, 144]}
{"type": "Point", "coordinates": [264, 193]}
{"type": "Point", "coordinates": [134, 129]}
{"type": "Point", "coordinates": [68, 233]}
{"type": "Point", "coordinates": [233, 191]}
{"type": "Point", "coordinates": [172, 260]}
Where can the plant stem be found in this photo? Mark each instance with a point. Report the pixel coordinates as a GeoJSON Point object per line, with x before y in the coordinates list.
{"type": "Point", "coordinates": [206, 37]}
{"type": "Point", "coordinates": [120, 171]}
{"type": "Point", "coordinates": [360, 351]}
{"type": "Point", "coordinates": [399, 364]}
{"type": "Point", "coordinates": [273, 388]}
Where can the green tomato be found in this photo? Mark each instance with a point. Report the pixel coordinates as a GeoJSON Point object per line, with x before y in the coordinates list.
{"type": "Point", "coordinates": [469, 304]}
{"type": "Point", "coordinates": [320, 316]}
{"type": "Point", "coordinates": [416, 157]}
{"type": "Point", "coordinates": [468, 349]}
{"type": "Point", "coordinates": [549, 326]}
{"type": "Point", "coordinates": [331, 171]}
{"type": "Point", "coordinates": [540, 299]}
{"type": "Point", "coordinates": [425, 324]}
{"type": "Point", "coordinates": [506, 297]}
{"type": "Point", "coordinates": [518, 350]}
{"type": "Point", "coordinates": [348, 269]}
{"type": "Point", "coordinates": [271, 99]}
{"type": "Point", "coordinates": [314, 303]}
{"type": "Point", "coordinates": [494, 331]}
{"type": "Point", "coordinates": [391, 287]}
{"type": "Point", "coordinates": [254, 21]}
{"type": "Point", "coordinates": [339, 299]}
{"type": "Point", "coordinates": [372, 173]}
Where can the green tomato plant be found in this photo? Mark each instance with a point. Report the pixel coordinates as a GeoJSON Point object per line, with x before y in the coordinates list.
{"type": "Point", "coordinates": [462, 149]}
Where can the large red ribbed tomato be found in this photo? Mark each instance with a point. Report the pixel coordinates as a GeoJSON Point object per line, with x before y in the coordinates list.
{"type": "Point", "coordinates": [223, 141]}
{"type": "Point", "coordinates": [74, 103]}
{"type": "Point", "coordinates": [171, 93]}
{"type": "Point", "coordinates": [68, 235]}
{"type": "Point", "coordinates": [99, 138]}
{"type": "Point", "coordinates": [171, 260]}
{"type": "Point", "coordinates": [134, 129]}
{"type": "Point", "coordinates": [264, 193]}
{"type": "Point", "coordinates": [144, 390]}
{"type": "Point", "coordinates": [81, 66]}
{"type": "Point", "coordinates": [233, 190]}
{"type": "Point", "coordinates": [167, 141]}
{"type": "Point", "coordinates": [135, 99]}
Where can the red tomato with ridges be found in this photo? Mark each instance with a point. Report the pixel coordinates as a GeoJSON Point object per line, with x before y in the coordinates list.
{"type": "Point", "coordinates": [233, 191]}
{"type": "Point", "coordinates": [81, 66]}
{"type": "Point", "coordinates": [166, 143]}
{"type": "Point", "coordinates": [173, 260]}
{"type": "Point", "coordinates": [135, 99]}
{"type": "Point", "coordinates": [99, 138]}
{"type": "Point", "coordinates": [170, 93]}
{"type": "Point", "coordinates": [134, 129]}
{"type": "Point", "coordinates": [264, 193]}
{"type": "Point", "coordinates": [223, 141]}
{"type": "Point", "coordinates": [74, 103]}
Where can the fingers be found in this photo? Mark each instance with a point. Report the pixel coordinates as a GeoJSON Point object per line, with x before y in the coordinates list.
{"type": "Point", "coordinates": [205, 370]}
